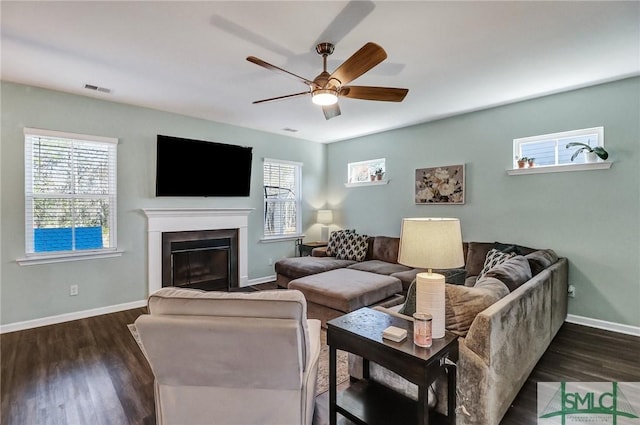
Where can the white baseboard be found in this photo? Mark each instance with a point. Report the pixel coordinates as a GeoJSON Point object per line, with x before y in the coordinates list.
{"type": "Point", "coordinates": [603, 324]}
{"type": "Point", "coordinates": [52, 320]}
{"type": "Point", "coordinates": [260, 280]}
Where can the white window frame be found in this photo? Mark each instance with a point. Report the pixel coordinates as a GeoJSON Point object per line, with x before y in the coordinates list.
{"type": "Point", "coordinates": [560, 143]}
{"type": "Point", "coordinates": [355, 175]}
{"type": "Point", "coordinates": [33, 257]}
{"type": "Point", "coordinates": [298, 201]}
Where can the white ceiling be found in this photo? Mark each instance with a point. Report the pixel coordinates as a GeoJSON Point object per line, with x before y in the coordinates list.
{"type": "Point", "coordinates": [190, 57]}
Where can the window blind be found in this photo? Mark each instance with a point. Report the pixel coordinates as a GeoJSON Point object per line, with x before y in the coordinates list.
{"type": "Point", "coordinates": [70, 192]}
{"type": "Point", "coordinates": [281, 198]}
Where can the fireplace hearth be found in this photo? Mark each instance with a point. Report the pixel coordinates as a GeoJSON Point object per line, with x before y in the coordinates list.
{"type": "Point", "coordinates": [202, 259]}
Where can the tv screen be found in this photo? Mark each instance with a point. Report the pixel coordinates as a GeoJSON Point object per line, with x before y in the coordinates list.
{"type": "Point", "coordinates": [186, 167]}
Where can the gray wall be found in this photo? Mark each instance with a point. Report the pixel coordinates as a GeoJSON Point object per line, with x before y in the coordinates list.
{"type": "Point", "coordinates": [38, 291]}
{"type": "Point", "coordinates": [591, 217]}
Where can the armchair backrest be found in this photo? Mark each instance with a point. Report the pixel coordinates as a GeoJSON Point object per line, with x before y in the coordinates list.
{"type": "Point", "coordinates": [233, 358]}
{"type": "Point", "coordinates": [237, 340]}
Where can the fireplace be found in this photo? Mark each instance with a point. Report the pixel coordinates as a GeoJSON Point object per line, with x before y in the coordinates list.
{"type": "Point", "coordinates": [204, 259]}
{"type": "Point", "coordinates": [163, 220]}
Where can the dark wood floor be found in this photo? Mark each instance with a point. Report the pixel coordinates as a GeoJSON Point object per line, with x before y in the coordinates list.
{"type": "Point", "coordinates": [91, 371]}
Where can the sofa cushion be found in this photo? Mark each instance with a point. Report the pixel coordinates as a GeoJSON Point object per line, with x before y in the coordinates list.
{"type": "Point", "coordinates": [463, 303]}
{"type": "Point", "coordinates": [380, 267]}
{"type": "Point", "coordinates": [494, 257]}
{"type": "Point", "coordinates": [540, 260]}
{"type": "Point", "coordinates": [385, 248]}
{"type": "Point", "coordinates": [476, 255]}
{"type": "Point", "coordinates": [451, 276]}
{"type": "Point", "coordinates": [336, 239]}
{"type": "Point", "coordinates": [513, 272]}
{"type": "Point", "coordinates": [346, 289]}
{"type": "Point", "coordinates": [353, 247]}
{"type": "Point", "coordinates": [296, 267]}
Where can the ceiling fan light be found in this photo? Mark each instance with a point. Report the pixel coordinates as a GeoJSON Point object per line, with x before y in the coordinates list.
{"type": "Point", "coordinates": [324, 97]}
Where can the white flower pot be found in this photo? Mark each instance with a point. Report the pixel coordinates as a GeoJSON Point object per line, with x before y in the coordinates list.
{"type": "Point", "coordinates": [590, 157]}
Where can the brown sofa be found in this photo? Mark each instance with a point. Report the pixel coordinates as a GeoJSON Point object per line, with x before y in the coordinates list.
{"type": "Point", "coordinates": [335, 286]}
{"type": "Point", "coordinates": [506, 319]}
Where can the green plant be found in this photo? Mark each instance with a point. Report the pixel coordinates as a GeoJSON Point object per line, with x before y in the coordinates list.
{"type": "Point", "coordinates": [598, 150]}
{"type": "Point", "coordinates": [379, 172]}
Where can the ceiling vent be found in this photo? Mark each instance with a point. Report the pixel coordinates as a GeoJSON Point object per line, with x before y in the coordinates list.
{"type": "Point", "coordinates": [97, 88]}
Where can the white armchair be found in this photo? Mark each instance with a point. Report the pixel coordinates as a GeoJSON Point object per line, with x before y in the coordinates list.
{"type": "Point", "coordinates": [231, 358]}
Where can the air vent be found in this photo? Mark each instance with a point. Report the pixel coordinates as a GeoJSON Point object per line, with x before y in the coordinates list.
{"type": "Point", "coordinates": [97, 88]}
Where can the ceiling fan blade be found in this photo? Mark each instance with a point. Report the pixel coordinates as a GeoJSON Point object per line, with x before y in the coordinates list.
{"type": "Point", "coordinates": [349, 17]}
{"type": "Point", "coordinates": [386, 94]}
{"type": "Point", "coordinates": [360, 62]}
{"type": "Point", "coordinates": [331, 111]}
{"type": "Point", "coordinates": [267, 65]}
{"type": "Point", "coordinates": [282, 97]}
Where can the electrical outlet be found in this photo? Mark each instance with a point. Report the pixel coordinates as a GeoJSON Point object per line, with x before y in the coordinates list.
{"type": "Point", "coordinates": [73, 290]}
{"type": "Point", "coordinates": [572, 291]}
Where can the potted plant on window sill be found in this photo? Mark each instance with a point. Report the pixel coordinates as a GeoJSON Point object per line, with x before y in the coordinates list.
{"type": "Point", "coordinates": [591, 154]}
{"type": "Point", "coordinates": [379, 173]}
{"type": "Point", "coordinates": [522, 162]}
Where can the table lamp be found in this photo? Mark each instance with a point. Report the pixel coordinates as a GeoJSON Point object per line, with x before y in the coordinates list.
{"type": "Point", "coordinates": [324, 217]}
{"type": "Point", "coordinates": [431, 243]}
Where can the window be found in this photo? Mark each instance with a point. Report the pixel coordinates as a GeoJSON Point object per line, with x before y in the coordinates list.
{"type": "Point", "coordinates": [70, 192]}
{"type": "Point", "coordinates": [282, 198]}
{"type": "Point", "coordinates": [550, 149]}
{"type": "Point", "coordinates": [364, 171]}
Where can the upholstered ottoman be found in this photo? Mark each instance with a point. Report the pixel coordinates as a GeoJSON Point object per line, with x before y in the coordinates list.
{"type": "Point", "coordinates": [346, 290]}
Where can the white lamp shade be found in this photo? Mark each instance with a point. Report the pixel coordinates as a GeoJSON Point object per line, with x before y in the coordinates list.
{"type": "Point", "coordinates": [325, 216]}
{"type": "Point", "coordinates": [431, 243]}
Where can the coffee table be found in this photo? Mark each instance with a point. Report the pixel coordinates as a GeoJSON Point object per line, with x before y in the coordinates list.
{"type": "Point", "coordinates": [366, 402]}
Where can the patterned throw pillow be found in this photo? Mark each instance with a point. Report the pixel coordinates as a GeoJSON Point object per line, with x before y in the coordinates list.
{"type": "Point", "coordinates": [354, 247]}
{"type": "Point", "coordinates": [494, 257]}
{"type": "Point", "coordinates": [336, 239]}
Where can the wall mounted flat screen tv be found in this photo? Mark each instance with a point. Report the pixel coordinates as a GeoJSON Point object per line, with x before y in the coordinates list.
{"type": "Point", "coordinates": [186, 167]}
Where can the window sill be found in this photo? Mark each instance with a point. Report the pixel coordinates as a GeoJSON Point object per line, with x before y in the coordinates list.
{"type": "Point", "coordinates": [269, 239]}
{"type": "Point", "coordinates": [560, 168]}
{"type": "Point", "coordinates": [62, 258]}
{"type": "Point", "coordinates": [370, 183]}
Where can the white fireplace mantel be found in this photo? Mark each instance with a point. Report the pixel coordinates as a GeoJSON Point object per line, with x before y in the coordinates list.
{"type": "Point", "coordinates": [161, 220]}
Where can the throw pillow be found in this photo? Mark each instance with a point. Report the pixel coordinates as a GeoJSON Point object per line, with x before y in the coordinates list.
{"type": "Point", "coordinates": [452, 276]}
{"type": "Point", "coordinates": [353, 247]}
{"type": "Point", "coordinates": [463, 303]}
{"type": "Point", "coordinates": [494, 257]}
{"type": "Point", "coordinates": [513, 272]}
{"type": "Point", "coordinates": [540, 260]}
{"type": "Point", "coordinates": [335, 241]}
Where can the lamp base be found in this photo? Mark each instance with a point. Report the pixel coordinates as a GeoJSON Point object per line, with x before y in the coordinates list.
{"type": "Point", "coordinates": [430, 299]}
{"type": "Point", "coordinates": [324, 234]}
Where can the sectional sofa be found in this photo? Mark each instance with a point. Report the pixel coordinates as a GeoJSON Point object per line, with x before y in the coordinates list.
{"type": "Point", "coordinates": [505, 316]}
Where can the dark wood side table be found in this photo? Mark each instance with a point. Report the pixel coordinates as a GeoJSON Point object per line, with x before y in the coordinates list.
{"type": "Point", "coordinates": [305, 248]}
{"type": "Point", "coordinates": [366, 402]}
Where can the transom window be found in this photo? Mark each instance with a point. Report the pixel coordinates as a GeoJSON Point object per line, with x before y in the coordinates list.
{"type": "Point", "coordinates": [364, 171]}
{"type": "Point", "coordinates": [70, 192]}
{"type": "Point", "coordinates": [282, 198]}
{"type": "Point", "coordinates": [550, 149]}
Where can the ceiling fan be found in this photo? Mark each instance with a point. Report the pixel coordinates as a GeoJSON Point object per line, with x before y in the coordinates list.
{"type": "Point", "coordinates": [326, 88]}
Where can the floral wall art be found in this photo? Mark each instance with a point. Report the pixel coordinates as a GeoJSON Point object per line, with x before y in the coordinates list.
{"type": "Point", "coordinates": [440, 185]}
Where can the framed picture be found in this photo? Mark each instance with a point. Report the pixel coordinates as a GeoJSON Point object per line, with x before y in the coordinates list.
{"type": "Point", "coordinates": [440, 185]}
